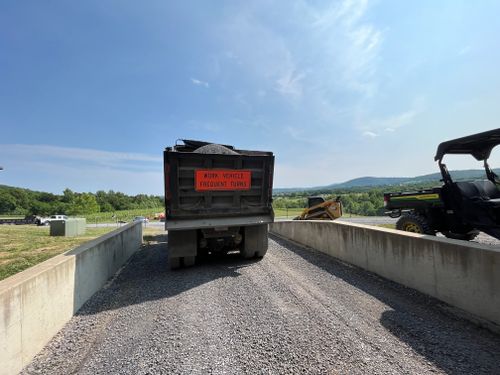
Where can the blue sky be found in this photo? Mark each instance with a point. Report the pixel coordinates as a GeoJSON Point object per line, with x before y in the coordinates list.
{"type": "Point", "coordinates": [91, 92]}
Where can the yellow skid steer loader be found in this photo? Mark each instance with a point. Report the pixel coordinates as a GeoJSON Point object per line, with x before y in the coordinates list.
{"type": "Point", "coordinates": [319, 209]}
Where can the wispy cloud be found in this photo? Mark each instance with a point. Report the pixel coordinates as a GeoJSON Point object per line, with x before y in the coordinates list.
{"type": "Point", "coordinates": [198, 82]}
{"type": "Point", "coordinates": [52, 168]}
{"type": "Point", "coordinates": [289, 83]}
{"type": "Point", "coordinates": [74, 153]}
{"type": "Point", "coordinates": [396, 121]}
{"type": "Point", "coordinates": [351, 44]}
{"type": "Point", "coordinates": [369, 134]}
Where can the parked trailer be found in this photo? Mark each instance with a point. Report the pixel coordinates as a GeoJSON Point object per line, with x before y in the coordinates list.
{"type": "Point", "coordinates": [217, 199]}
{"type": "Point", "coordinates": [18, 221]}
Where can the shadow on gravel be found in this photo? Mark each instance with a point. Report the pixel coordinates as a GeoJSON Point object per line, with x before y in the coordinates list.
{"type": "Point", "coordinates": [146, 277]}
{"type": "Point", "coordinates": [425, 324]}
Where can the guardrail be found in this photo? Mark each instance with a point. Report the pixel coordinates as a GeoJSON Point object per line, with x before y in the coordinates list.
{"type": "Point", "coordinates": [463, 274]}
{"type": "Point", "coordinates": [36, 303]}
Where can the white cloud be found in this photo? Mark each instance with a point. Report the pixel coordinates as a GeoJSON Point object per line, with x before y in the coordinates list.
{"type": "Point", "coordinates": [332, 50]}
{"type": "Point", "coordinates": [289, 84]}
{"type": "Point", "coordinates": [260, 54]}
{"type": "Point", "coordinates": [52, 168]}
{"type": "Point", "coordinates": [75, 153]}
{"type": "Point", "coordinates": [198, 82]}
{"type": "Point", "coordinates": [394, 122]}
{"type": "Point", "coordinates": [352, 45]}
{"type": "Point", "coordinates": [369, 134]}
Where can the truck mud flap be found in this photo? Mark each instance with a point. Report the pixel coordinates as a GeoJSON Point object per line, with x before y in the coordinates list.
{"type": "Point", "coordinates": [255, 241]}
{"type": "Point", "coordinates": [182, 245]}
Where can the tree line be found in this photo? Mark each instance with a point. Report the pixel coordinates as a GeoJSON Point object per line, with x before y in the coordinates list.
{"type": "Point", "coordinates": [366, 201]}
{"type": "Point", "coordinates": [18, 201]}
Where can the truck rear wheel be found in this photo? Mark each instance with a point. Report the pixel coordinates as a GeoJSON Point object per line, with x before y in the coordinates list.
{"type": "Point", "coordinates": [174, 263]}
{"type": "Point", "coordinates": [189, 261]}
{"type": "Point", "coordinates": [461, 236]}
{"type": "Point", "coordinates": [255, 241]}
{"type": "Point", "coordinates": [415, 223]}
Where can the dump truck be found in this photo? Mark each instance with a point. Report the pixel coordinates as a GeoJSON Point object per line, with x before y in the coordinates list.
{"type": "Point", "coordinates": [457, 209]}
{"type": "Point", "coordinates": [217, 199]}
{"type": "Point", "coordinates": [319, 209]}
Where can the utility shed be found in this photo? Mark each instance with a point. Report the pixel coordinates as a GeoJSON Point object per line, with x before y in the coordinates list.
{"type": "Point", "coordinates": [69, 228]}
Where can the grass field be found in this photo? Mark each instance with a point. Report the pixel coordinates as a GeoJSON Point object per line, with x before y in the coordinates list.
{"type": "Point", "coordinates": [110, 217]}
{"type": "Point", "coordinates": [128, 215]}
{"type": "Point", "coordinates": [23, 246]}
{"type": "Point", "coordinates": [290, 213]}
{"type": "Point", "coordinates": [125, 215]}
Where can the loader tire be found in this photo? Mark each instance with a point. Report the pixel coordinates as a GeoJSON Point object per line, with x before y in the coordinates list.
{"type": "Point", "coordinates": [461, 236]}
{"type": "Point", "coordinates": [255, 241]}
{"type": "Point", "coordinates": [415, 223]}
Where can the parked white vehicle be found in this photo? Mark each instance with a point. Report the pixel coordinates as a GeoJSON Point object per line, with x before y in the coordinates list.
{"type": "Point", "coordinates": [47, 220]}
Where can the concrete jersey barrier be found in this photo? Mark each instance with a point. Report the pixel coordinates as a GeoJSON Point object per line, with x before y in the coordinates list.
{"type": "Point", "coordinates": [463, 274]}
{"type": "Point", "coordinates": [36, 303]}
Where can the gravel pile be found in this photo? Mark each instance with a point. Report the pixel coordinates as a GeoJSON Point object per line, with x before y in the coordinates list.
{"type": "Point", "coordinates": [215, 149]}
{"type": "Point", "coordinates": [295, 311]}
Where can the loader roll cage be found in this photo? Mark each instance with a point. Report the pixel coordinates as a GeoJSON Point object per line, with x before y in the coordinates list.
{"type": "Point", "coordinates": [478, 145]}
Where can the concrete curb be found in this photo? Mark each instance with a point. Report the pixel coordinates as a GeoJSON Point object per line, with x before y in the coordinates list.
{"type": "Point", "coordinates": [36, 303]}
{"type": "Point", "coordinates": [463, 274]}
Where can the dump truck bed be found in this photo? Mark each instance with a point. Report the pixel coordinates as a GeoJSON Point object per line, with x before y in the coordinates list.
{"type": "Point", "coordinates": [204, 190]}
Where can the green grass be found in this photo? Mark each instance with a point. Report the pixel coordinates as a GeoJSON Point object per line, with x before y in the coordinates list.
{"type": "Point", "coordinates": [125, 215]}
{"type": "Point", "coordinates": [23, 246]}
{"type": "Point", "coordinates": [291, 212]}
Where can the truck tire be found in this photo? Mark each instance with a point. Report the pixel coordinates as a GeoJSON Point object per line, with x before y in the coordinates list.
{"type": "Point", "coordinates": [255, 241]}
{"type": "Point", "coordinates": [174, 263]}
{"type": "Point", "coordinates": [189, 261]}
{"type": "Point", "coordinates": [415, 223]}
{"type": "Point", "coordinates": [460, 236]}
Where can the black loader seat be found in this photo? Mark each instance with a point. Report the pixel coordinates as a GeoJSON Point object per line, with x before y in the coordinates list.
{"type": "Point", "coordinates": [467, 190]}
{"type": "Point", "coordinates": [487, 189]}
{"type": "Point", "coordinates": [477, 204]}
{"type": "Point", "coordinates": [483, 191]}
{"type": "Point", "coordinates": [477, 194]}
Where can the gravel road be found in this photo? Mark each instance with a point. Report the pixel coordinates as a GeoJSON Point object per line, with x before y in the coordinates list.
{"type": "Point", "coordinates": [295, 311]}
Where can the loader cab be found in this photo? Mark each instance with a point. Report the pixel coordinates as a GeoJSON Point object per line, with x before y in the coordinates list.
{"type": "Point", "coordinates": [313, 201]}
{"type": "Point", "coordinates": [476, 202]}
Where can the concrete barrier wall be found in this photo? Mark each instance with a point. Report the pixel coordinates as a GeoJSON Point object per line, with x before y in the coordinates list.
{"type": "Point", "coordinates": [36, 303]}
{"type": "Point", "coordinates": [463, 274]}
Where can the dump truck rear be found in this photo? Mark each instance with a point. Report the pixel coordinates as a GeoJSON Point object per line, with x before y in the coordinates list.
{"type": "Point", "coordinates": [217, 199]}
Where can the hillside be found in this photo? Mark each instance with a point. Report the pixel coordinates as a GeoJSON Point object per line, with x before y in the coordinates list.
{"type": "Point", "coordinates": [384, 181]}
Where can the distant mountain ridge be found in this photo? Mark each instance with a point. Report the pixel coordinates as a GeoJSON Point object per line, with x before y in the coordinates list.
{"type": "Point", "coordinates": [384, 181]}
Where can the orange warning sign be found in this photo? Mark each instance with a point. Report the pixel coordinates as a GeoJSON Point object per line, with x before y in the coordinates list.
{"type": "Point", "coordinates": [222, 179]}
